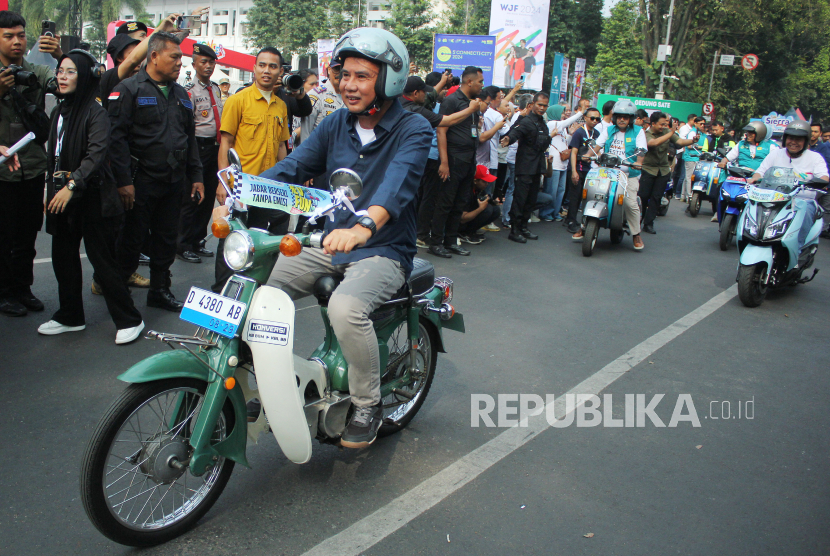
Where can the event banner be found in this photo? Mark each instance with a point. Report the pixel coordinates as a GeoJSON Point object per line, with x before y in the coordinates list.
{"type": "Point", "coordinates": [521, 29]}
{"type": "Point", "coordinates": [563, 82]}
{"type": "Point", "coordinates": [556, 76]}
{"type": "Point", "coordinates": [676, 108]}
{"type": "Point", "coordinates": [293, 199]}
{"type": "Point", "coordinates": [324, 49]}
{"type": "Point", "coordinates": [456, 52]}
{"type": "Point", "coordinates": [579, 78]}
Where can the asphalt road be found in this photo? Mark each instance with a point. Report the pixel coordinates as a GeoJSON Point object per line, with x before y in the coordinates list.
{"type": "Point", "coordinates": [541, 319]}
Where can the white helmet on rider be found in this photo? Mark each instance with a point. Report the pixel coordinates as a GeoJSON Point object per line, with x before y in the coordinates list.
{"type": "Point", "coordinates": [383, 48]}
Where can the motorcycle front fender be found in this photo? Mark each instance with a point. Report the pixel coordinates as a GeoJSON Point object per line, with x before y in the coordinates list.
{"type": "Point", "coordinates": [754, 254]}
{"type": "Point", "coordinates": [269, 332]}
{"type": "Point", "coordinates": [595, 209]}
{"type": "Point", "coordinates": [182, 364]}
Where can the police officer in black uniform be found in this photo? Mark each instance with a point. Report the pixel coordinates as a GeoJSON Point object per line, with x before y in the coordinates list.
{"type": "Point", "coordinates": [207, 112]}
{"type": "Point", "coordinates": [155, 158]}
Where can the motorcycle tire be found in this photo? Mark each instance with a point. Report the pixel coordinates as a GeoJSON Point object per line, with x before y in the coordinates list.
{"type": "Point", "coordinates": [664, 209]}
{"type": "Point", "coordinates": [750, 290]}
{"type": "Point", "coordinates": [617, 237]}
{"type": "Point", "coordinates": [727, 231]}
{"type": "Point", "coordinates": [590, 234]}
{"type": "Point", "coordinates": [400, 408]}
{"type": "Point", "coordinates": [146, 466]}
{"type": "Point", "coordinates": [694, 204]}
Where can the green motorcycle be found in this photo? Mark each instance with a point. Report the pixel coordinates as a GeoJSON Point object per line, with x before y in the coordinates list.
{"type": "Point", "coordinates": [166, 447]}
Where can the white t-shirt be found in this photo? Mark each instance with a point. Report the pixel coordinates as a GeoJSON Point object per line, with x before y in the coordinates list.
{"type": "Point", "coordinates": [618, 145]}
{"type": "Point", "coordinates": [808, 163]}
{"type": "Point", "coordinates": [491, 118]}
{"type": "Point", "coordinates": [366, 135]}
{"type": "Point", "coordinates": [560, 142]}
{"type": "Point", "coordinates": [684, 129]}
{"type": "Point", "coordinates": [511, 150]}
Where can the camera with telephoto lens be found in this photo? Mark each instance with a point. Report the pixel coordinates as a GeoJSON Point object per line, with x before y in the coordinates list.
{"type": "Point", "coordinates": [21, 76]}
{"type": "Point", "coordinates": [291, 80]}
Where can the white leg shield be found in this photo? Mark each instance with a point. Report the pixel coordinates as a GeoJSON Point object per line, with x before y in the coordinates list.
{"type": "Point", "coordinates": [269, 331]}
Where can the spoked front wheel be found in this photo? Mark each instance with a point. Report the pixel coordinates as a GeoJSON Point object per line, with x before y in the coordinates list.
{"type": "Point", "coordinates": [402, 403]}
{"type": "Point", "coordinates": [136, 486]}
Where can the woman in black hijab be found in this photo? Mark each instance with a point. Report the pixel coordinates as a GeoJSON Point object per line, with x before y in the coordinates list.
{"type": "Point", "coordinates": [82, 202]}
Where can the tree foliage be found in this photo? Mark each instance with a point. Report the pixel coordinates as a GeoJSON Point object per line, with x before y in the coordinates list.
{"type": "Point", "coordinates": [618, 61]}
{"type": "Point", "coordinates": [574, 29]}
{"type": "Point", "coordinates": [409, 20]}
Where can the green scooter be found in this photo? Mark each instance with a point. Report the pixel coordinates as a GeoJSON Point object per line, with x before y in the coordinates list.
{"type": "Point", "coordinates": [165, 449]}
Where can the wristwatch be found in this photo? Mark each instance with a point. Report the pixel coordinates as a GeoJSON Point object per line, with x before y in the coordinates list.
{"type": "Point", "coordinates": [71, 186]}
{"type": "Point", "coordinates": [367, 223]}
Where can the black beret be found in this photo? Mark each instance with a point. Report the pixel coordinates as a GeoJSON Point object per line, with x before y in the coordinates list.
{"type": "Point", "coordinates": [204, 50]}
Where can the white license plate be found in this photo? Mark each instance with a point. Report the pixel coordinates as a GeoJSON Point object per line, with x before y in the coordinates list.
{"type": "Point", "coordinates": [214, 312]}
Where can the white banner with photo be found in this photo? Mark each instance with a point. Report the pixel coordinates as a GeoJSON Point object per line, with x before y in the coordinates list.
{"type": "Point", "coordinates": [521, 29]}
{"type": "Point", "coordinates": [579, 77]}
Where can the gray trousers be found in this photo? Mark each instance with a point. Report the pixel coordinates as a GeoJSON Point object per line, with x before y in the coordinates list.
{"type": "Point", "coordinates": [367, 285]}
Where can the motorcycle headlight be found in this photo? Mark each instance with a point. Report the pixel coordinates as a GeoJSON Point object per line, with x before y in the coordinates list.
{"type": "Point", "coordinates": [239, 250]}
{"type": "Point", "coordinates": [742, 196]}
{"type": "Point", "coordinates": [725, 194]}
{"type": "Point", "coordinates": [750, 227]}
{"type": "Point", "coordinates": [778, 229]}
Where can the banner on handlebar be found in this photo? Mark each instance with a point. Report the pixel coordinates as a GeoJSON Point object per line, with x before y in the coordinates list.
{"type": "Point", "coordinates": [257, 191]}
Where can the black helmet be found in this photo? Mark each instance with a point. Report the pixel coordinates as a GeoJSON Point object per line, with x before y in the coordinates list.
{"type": "Point", "coordinates": [797, 128]}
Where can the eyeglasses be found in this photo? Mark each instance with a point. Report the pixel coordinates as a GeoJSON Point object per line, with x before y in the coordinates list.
{"type": "Point", "coordinates": [593, 119]}
{"type": "Point", "coordinates": [69, 72]}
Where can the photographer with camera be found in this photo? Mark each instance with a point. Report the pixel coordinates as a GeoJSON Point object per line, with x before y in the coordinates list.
{"type": "Point", "coordinates": [290, 88]}
{"type": "Point", "coordinates": [22, 90]}
{"type": "Point", "coordinates": [480, 210]}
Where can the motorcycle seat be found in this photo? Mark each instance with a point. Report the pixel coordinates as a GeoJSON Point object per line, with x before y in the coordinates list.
{"type": "Point", "coordinates": [420, 281]}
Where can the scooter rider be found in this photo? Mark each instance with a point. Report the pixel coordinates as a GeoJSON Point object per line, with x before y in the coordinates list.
{"type": "Point", "coordinates": [796, 155]}
{"type": "Point", "coordinates": [622, 138]}
{"type": "Point", "coordinates": [388, 147]}
{"type": "Point", "coordinates": [752, 150]}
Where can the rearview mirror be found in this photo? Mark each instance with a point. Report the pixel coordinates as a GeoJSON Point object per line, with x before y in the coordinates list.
{"type": "Point", "coordinates": [347, 181]}
{"type": "Point", "coordinates": [641, 151]}
{"type": "Point", "coordinates": [591, 143]}
{"type": "Point", "coordinates": [233, 159]}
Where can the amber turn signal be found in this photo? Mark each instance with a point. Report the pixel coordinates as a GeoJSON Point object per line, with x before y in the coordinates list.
{"type": "Point", "coordinates": [230, 383]}
{"type": "Point", "coordinates": [620, 199]}
{"type": "Point", "coordinates": [290, 246]}
{"type": "Point", "coordinates": [585, 193]}
{"type": "Point", "coordinates": [220, 228]}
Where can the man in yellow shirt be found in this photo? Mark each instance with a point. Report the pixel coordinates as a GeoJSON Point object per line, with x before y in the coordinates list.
{"type": "Point", "coordinates": [255, 124]}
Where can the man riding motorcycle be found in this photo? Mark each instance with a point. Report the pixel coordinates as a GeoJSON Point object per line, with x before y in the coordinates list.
{"type": "Point", "coordinates": [797, 156]}
{"type": "Point", "coordinates": [622, 138]}
{"type": "Point", "coordinates": [387, 146]}
{"type": "Point", "coordinates": [752, 150]}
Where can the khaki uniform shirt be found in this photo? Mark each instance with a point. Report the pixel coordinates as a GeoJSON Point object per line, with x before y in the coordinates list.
{"type": "Point", "coordinates": [203, 108]}
{"type": "Point", "coordinates": [656, 161]}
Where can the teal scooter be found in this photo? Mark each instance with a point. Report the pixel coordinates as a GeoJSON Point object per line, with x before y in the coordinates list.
{"type": "Point", "coordinates": [768, 235]}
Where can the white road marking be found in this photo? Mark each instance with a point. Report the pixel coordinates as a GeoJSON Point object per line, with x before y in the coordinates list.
{"type": "Point", "coordinates": [49, 259]}
{"type": "Point", "coordinates": [375, 527]}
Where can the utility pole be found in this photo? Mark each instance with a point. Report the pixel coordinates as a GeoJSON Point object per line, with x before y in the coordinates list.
{"type": "Point", "coordinates": [467, 15]}
{"type": "Point", "coordinates": [660, 93]}
{"type": "Point", "coordinates": [712, 78]}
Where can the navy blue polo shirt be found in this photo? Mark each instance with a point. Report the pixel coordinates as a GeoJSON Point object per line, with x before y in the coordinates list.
{"type": "Point", "coordinates": [390, 167]}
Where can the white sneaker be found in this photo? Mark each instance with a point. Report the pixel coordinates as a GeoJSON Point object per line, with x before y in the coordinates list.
{"type": "Point", "coordinates": [53, 328]}
{"type": "Point", "coordinates": [421, 244]}
{"type": "Point", "coordinates": [491, 227]}
{"type": "Point", "coordinates": [127, 335]}
{"type": "Point", "coordinates": [714, 218]}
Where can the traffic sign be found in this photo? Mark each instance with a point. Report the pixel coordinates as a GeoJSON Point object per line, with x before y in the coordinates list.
{"type": "Point", "coordinates": [727, 60]}
{"type": "Point", "coordinates": [708, 108]}
{"type": "Point", "coordinates": [749, 62]}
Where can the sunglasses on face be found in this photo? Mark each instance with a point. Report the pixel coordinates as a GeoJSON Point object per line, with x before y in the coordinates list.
{"type": "Point", "coordinates": [593, 119]}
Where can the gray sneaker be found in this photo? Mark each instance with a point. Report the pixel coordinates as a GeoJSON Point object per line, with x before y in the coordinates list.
{"type": "Point", "coordinates": [421, 243]}
{"type": "Point", "coordinates": [363, 427]}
